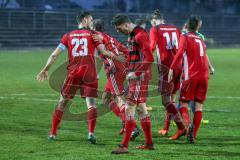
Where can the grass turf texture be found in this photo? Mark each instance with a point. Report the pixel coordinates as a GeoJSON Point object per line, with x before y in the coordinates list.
{"type": "Point", "coordinates": [26, 108]}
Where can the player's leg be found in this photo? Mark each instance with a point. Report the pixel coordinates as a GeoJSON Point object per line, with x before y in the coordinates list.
{"type": "Point", "coordinates": [184, 112]}
{"type": "Point", "coordinates": [165, 129]}
{"type": "Point", "coordinates": [68, 91]}
{"type": "Point", "coordinates": [200, 93]}
{"type": "Point", "coordinates": [174, 115]}
{"type": "Point", "coordinates": [109, 100]}
{"type": "Point", "coordinates": [129, 126]}
{"type": "Point", "coordinates": [121, 103]}
{"type": "Point", "coordinates": [197, 118]}
{"type": "Point", "coordinates": [192, 106]}
{"type": "Point", "coordinates": [57, 116]}
{"type": "Point", "coordinates": [115, 86]}
{"type": "Point", "coordinates": [91, 118]}
{"type": "Point", "coordinates": [146, 126]}
{"type": "Point", "coordinates": [89, 92]}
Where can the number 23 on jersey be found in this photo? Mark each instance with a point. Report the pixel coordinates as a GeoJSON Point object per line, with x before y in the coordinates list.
{"type": "Point", "coordinates": [80, 47]}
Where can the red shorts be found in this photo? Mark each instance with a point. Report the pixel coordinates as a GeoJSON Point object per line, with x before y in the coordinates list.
{"type": "Point", "coordinates": [73, 84]}
{"type": "Point", "coordinates": [175, 84]}
{"type": "Point", "coordinates": [115, 84]}
{"type": "Point", "coordinates": [194, 90]}
{"type": "Point", "coordinates": [138, 90]}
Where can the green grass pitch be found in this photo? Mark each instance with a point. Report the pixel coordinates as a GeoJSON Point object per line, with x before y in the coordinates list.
{"type": "Point", "coordinates": [26, 107]}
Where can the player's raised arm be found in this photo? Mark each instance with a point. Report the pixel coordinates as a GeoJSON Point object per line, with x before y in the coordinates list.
{"type": "Point", "coordinates": [52, 58]}
{"type": "Point", "coordinates": [177, 57]}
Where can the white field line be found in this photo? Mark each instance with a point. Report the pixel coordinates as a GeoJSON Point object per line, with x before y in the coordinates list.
{"type": "Point", "coordinates": [220, 97]}
{"type": "Point", "coordinates": [29, 99]}
{"type": "Point", "coordinates": [33, 97]}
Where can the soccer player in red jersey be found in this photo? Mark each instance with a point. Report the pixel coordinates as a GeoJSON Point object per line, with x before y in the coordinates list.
{"type": "Point", "coordinates": [80, 46]}
{"type": "Point", "coordinates": [139, 61]}
{"type": "Point", "coordinates": [116, 74]}
{"type": "Point", "coordinates": [165, 38]}
{"type": "Point", "coordinates": [195, 84]}
{"type": "Point", "coordinates": [115, 70]}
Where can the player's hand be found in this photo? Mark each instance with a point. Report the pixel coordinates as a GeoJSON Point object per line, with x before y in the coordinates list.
{"type": "Point", "coordinates": [131, 75]}
{"type": "Point", "coordinates": [97, 38]}
{"type": "Point", "coordinates": [211, 70]}
{"type": "Point", "coordinates": [42, 76]}
{"type": "Point", "coordinates": [170, 75]}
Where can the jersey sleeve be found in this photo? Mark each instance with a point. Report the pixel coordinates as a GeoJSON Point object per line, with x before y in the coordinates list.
{"type": "Point", "coordinates": [143, 42]}
{"type": "Point", "coordinates": [63, 42]}
{"type": "Point", "coordinates": [153, 38]}
{"type": "Point", "coordinates": [182, 48]}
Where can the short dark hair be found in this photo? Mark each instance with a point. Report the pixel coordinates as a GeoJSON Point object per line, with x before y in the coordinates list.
{"type": "Point", "coordinates": [120, 19]}
{"type": "Point", "coordinates": [156, 14]}
{"type": "Point", "coordinates": [98, 24]}
{"type": "Point", "coordinates": [81, 15]}
{"type": "Point", "coordinates": [139, 21]}
{"type": "Point", "coordinates": [193, 22]}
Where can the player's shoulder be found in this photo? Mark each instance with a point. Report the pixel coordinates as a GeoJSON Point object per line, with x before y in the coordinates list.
{"type": "Point", "coordinates": [192, 35]}
{"type": "Point", "coordinates": [105, 35]}
{"type": "Point", "coordinates": [167, 26]}
{"type": "Point", "coordinates": [82, 31]}
{"type": "Point", "coordinates": [139, 32]}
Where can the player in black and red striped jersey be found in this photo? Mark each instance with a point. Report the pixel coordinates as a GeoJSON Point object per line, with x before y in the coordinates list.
{"type": "Point", "coordinates": [80, 46]}
{"type": "Point", "coordinates": [116, 73]}
{"type": "Point", "coordinates": [139, 61]}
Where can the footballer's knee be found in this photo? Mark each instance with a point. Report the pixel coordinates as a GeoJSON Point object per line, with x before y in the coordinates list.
{"type": "Point", "coordinates": [91, 103]}
{"type": "Point", "coordinates": [198, 106]}
{"type": "Point", "coordinates": [142, 110]}
{"type": "Point", "coordinates": [130, 111]}
{"type": "Point", "coordinates": [106, 98]}
{"type": "Point", "coordinates": [62, 103]}
{"type": "Point", "coordinates": [166, 100]}
{"type": "Point", "coordinates": [183, 104]}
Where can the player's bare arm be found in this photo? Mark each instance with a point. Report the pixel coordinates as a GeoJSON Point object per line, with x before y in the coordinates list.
{"type": "Point", "coordinates": [211, 69]}
{"type": "Point", "coordinates": [109, 54]}
{"type": "Point", "coordinates": [52, 58]}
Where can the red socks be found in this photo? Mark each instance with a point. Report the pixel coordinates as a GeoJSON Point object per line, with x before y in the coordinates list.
{"type": "Point", "coordinates": [56, 119]}
{"type": "Point", "coordinates": [92, 118]}
{"type": "Point", "coordinates": [116, 110]}
{"type": "Point", "coordinates": [197, 122]}
{"type": "Point", "coordinates": [147, 129]}
{"type": "Point", "coordinates": [129, 127]}
{"type": "Point", "coordinates": [171, 109]}
{"type": "Point", "coordinates": [185, 115]}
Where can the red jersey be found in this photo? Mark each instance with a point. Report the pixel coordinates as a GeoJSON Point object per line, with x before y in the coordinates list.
{"type": "Point", "coordinates": [140, 56]}
{"type": "Point", "coordinates": [81, 48]}
{"type": "Point", "coordinates": [193, 50]}
{"type": "Point", "coordinates": [165, 39]}
{"type": "Point", "coordinates": [114, 46]}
